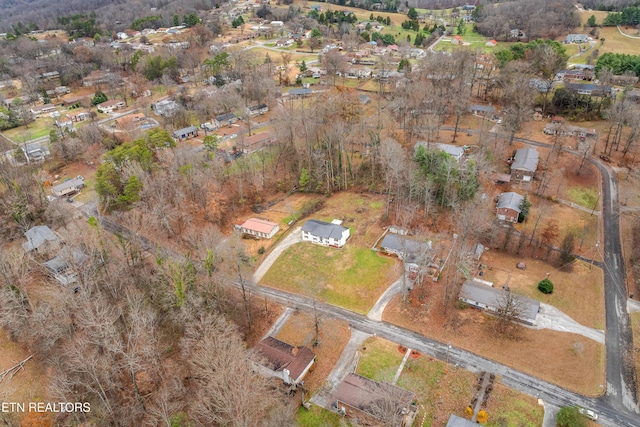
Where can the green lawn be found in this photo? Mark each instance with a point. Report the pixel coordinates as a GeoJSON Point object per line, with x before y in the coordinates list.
{"type": "Point", "coordinates": [507, 407]}
{"type": "Point", "coordinates": [352, 277]}
{"type": "Point", "coordinates": [379, 359]}
{"type": "Point", "coordinates": [319, 417]}
{"type": "Point", "coordinates": [39, 128]}
{"type": "Point", "coordinates": [586, 197]}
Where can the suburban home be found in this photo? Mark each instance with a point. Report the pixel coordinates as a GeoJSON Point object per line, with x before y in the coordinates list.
{"type": "Point", "coordinates": [468, 7]}
{"type": "Point", "coordinates": [491, 43]}
{"type": "Point", "coordinates": [517, 34]}
{"type": "Point", "coordinates": [325, 233]}
{"type": "Point", "coordinates": [79, 116]}
{"type": "Point", "coordinates": [51, 75]}
{"type": "Point", "coordinates": [456, 40]}
{"type": "Point", "coordinates": [412, 252]}
{"type": "Point", "coordinates": [225, 119]}
{"type": "Point", "coordinates": [64, 266]}
{"type": "Point", "coordinates": [72, 100]}
{"type": "Point", "coordinates": [110, 106]}
{"type": "Point", "coordinates": [37, 237]}
{"type": "Point", "coordinates": [560, 128]}
{"type": "Point", "coordinates": [576, 38]}
{"type": "Point", "coordinates": [185, 133]}
{"type": "Point", "coordinates": [257, 142]}
{"type": "Point", "coordinates": [489, 298]}
{"type": "Point", "coordinates": [40, 110]}
{"type": "Point", "coordinates": [482, 110]}
{"type": "Point", "coordinates": [571, 75]}
{"type": "Point", "coordinates": [509, 206]}
{"type": "Point", "coordinates": [259, 228]}
{"type": "Point", "coordinates": [524, 164]}
{"type": "Point", "coordinates": [590, 89]}
{"type": "Point", "coordinates": [452, 150]}
{"type": "Point", "coordinates": [96, 77]}
{"type": "Point", "coordinates": [257, 110]}
{"type": "Point", "coordinates": [68, 187]}
{"type": "Point", "coordinates": [164, 107]}
{"type": "Point", "coordinates": [365, 399]}
{"type": "Point", "coordinates": [35, 151]}
{"type": "Point", "coordinates": [278, 359]}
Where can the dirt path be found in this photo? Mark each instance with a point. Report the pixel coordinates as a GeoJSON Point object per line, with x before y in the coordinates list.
{"type": "Point", "coordinates": [294, 237]}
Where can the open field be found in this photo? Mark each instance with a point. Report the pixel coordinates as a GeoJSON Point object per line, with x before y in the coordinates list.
{"type": "Point", "coordinates": [351, 277]}
{"type": "Point", "coordinates": [299, 330]}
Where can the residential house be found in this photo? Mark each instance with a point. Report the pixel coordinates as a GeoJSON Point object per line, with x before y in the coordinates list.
{"type": "Point", "coordinates": [468, 7]}
{"type": "Point", "coordinates": [325, 233]}
{"type": "Point", "coordinates": [225, 119]}
{"type": "Point", "coordinates": [570, 75]}
{"type": "Point", "coordinates": [277, 24]}
{"type": "Point", "coordinates": [122, 35]}
{"type": "Point", "coordinates": [257, 142]}
{"type": "Point", "coordinates": [365, 399]}
{"type": "Point", "coordinates": [589, 89]}
{"type": "Point", "coordinates": [452, 150]}
{"type": "Point", "coordinates": [300, 93]}
{"type": "Point", "coordinates": [38, 237]}
{"type": "Point", "coordinates": [524, 164]}
{"type": "Point", "coordinates": [96, 77]}
{"type": "Point", "coordinates": [256, 110]}
{"type": "Point", "coordinates": [185, 133]}
{"type": "Point", "coordinates": [68, 187]}
{"type": "Point", "coordinates": [491, 43]}
{"type": "Point", "coordinates": [541, 85]}
{"type": "Point", "coordinates": [456, 40]}
{"type": "Point", "coordinates": [489, 298]}
{"type": "Point", "coordinates": [576, 38]}
{"type": "Point", "coordinates": [166, 107]}
{"type": "Point", "coordinates": [65, 125]}
{"type": "Point", "coordinates": [51, 75]}
{"type": "Point", "coordinates": [276, 358]}
{"type": "Point", "coordinates": [509, 206]}
{"type": "Point", "coordinates": [78, 116]}
{"type": "Point", "coordinates": [517, 34]}
{"type": "Point", "coordinates": [414, 253]}
{"type": "Point", "coordinates": [61, 90]}
{"type": "Point", "coordinates": [41, 110]}
{"type": "Point", "coordinates": [482, 110]}
{"type": "Point", "coordinates": [72, 100]}
{"type": "Point", "coordinates": [35, 151]}
{"type": "Point", "coordinates": [259, 228]}
{"type": "Point", "coordinates": [110, 106]}
{"type": "Point", "coordinates": [64, 266]}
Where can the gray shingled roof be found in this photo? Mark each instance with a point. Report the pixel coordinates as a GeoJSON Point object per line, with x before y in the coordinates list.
{"type": "Point", "coordinates": [490, 297]}
{"type": "Point", "coordinates": [403, 244]}
{"type": "Point", "coordinates": [186, 131]}
{"type": "Point", "coordinates": [368, 395]}
{"type": "Point", "coordinates": [38, 235]}
{"type": "Point", "coordinates": [323, 229]}
{"type": "Point", "coordinates": [75, 182]}
{"type": "Point", "coordinates": [510, 200]}
{"type": "Point", "coordinates": [526, 159]}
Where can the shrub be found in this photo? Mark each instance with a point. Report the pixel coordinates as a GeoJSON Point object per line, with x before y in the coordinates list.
{"type": "Point", "coordinates": [545, 286]}
{"type": "Point", "coordinates": [261, 250]}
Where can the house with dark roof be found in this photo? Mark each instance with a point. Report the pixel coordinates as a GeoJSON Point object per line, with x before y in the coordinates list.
{"type": "Point", "coordinates": [185, 133]}
{"type": "Point", "coordinates": [524, 164]}
{"type": "Point", "coordinates": [68, 187]}
{"type": "Point", "coordinates": [225, 119]}
{"type": "Point", "coordinates": [590, 89]}
{"type": "Point", "coordinates": [325, 233]}
{"type": "Point", "coordinates": [368, 400]}
{"type": "Point", "coordinates": [40, 110]}
{"type": "Point", "coordinates": [35, 151]}
{"type": "Point", "coordinates": [509, 206]}
{"type": "Point", "coordinates": [576, 38]}
{"type": "Point", "coordinates": [489, 298]}
{"type": "Point", "coordinates": [275, 358]}
{"type": "Point", "coordinates": [38, 237]}
{"type": "Point", "coordinates": [482, 110]}
{"type": "Point", "coordinates": [258, 228]}
{"type": "Point", "coordinates": [257, 110]}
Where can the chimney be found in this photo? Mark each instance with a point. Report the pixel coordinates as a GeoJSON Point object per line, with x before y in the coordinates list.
{"type": "Point", "coordinates": [294, 351]}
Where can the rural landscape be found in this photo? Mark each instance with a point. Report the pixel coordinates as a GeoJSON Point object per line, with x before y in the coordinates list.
{"type": "Point", "coordinates": [299, 213]}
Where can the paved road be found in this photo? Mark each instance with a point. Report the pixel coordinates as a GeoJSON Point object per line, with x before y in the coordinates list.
{"type": "Point", "coordinates": [609, 415]}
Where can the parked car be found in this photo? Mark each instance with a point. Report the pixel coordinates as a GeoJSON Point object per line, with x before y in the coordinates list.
{"type": "Point", "coordinates": [588, 413]}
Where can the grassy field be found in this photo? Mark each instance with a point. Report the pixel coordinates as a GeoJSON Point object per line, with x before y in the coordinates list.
{"type": "Point", "coordinates": [319, 417]}
{"type": "Point", "coordinates": [351, 277]}
{"type": "Point", "coordinates": [39, 128]}
{"type": "Point", "coordinates": [507, 407]}
{"type": "Point", "coordinates": [586, 197]}
{"type": "Point", "coordinates": [380, 359]}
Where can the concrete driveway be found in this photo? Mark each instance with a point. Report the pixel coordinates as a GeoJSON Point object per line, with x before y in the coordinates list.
{"type": "Point", "coordinates": [294, 237]}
